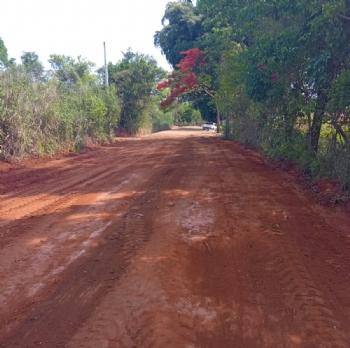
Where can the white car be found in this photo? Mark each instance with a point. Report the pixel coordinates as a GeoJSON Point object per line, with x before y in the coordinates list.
{"type": "Point", "coordinates": [210, 126]}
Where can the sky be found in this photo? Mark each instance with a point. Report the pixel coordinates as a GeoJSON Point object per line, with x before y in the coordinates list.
{"type": "Point", "coordinates": [79, 27]}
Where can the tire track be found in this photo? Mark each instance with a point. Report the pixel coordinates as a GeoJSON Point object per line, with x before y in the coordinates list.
{"type": "Point", "coordinates": [306, 304]}
{"type": "Point", "coordinates": [181, 315]}
{"type": "Point", "coordinates": [78, 183]}
{"type": "Point", "coordinates": [130, 233]}
{"type": "Point", "coordinates": [49, 175]}
{"type": "Point", "coordinates": [59, 207]}
{"type": "Point", "coordinates": [200, 249]}
{"type": "Point", "coordinates": [77, 175]}
{"type": "Point", "coordinates": [139, 311]}
{"type": "Point", "coordinates": [302, 296]}
{"type": "Point", "coordinates": [159, 324]}
{"type": "Point", "coordinates": [134, 233]}
{"type": "Point", "coordinates": [63, 200]}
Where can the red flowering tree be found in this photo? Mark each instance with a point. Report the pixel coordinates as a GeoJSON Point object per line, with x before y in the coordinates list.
{"type": "Point", "coordinates": [186, 80]}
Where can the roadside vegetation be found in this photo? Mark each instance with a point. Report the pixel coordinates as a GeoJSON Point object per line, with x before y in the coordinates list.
{"type": "Point", "coordinates": [68, 106]}
{"type": "Point", "coordinates": [275, 73]}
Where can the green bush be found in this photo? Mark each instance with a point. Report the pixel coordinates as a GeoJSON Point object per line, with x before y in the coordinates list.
{"type": "Point", "coordinates": [45, 116]}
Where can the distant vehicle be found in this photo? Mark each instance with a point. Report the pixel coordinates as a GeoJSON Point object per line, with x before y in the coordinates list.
{"type": "Point", "coordinates": [210, 126]}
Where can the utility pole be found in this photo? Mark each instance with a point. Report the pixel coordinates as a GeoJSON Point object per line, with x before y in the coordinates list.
{"type": "Point", "coordinates": [106, 68]}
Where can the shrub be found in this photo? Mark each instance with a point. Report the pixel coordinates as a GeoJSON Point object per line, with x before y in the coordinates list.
{"type": "Point", "coordinates": [42, 117]}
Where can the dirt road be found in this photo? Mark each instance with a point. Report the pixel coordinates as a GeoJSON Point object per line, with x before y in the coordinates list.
{"type": "Point", "coordinates": [174, 240]}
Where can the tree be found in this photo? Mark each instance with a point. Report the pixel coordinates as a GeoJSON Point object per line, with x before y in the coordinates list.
{"type": "Point", "coordinates": [135, 77]}
{"type": "Point", "coordinates": [190, 79]}
{"type": "Point", "coordinates": [182, 26]}
{"type": "Point", "coordinates": [33, 66]}
{"type": "Point", "coordinates": [71, 71]}
{"type": "Point", "coordinates": [4, 59]}
{"type": "Point", "coordinates": [295, 48]}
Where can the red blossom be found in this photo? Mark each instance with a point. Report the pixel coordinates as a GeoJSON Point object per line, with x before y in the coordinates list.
{"type": "Point", "coordinates": [191, 58]}
{"type": "Point", "coordinates": [184, 82]}
{"type": "Point", "coordinates": [162, 85]}
{"type": "Point", "coordinates": [261, 66]}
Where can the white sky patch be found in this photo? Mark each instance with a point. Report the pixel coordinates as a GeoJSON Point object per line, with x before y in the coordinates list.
{"type": "Point", "coordinates": [79, 27]}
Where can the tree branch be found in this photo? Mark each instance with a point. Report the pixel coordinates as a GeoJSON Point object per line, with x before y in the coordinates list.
{"type": "Point", "coordinates": [206, 90]}
{"type": "Point", "coordinates": [343, 16]}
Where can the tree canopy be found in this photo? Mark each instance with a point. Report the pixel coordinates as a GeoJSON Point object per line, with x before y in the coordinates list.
{"type": "Point", "coordinates": [276, 70]}
{"type": "Point", "coordinates": [135, 77]}
{"type": "Point", "coordinates": [181, 28]}
{"type": "Point", "coordinates": [33, 66]}
{"type": "Point", "coordinates": [4, 59]}
{"type": "Point", "coordinates": [70, 70]}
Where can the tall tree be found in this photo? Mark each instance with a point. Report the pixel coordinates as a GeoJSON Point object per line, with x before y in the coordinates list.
{"type": "Point", "coordinates": [182, 26]}
{"type": "Point", "coordinates": [135, 77]}
{"type": "Point", "coordinates": [33, 66]}
{"type": "Point", "coordinates": [190, 81]}
{"type": "Point", "coordinates": [295, 50]}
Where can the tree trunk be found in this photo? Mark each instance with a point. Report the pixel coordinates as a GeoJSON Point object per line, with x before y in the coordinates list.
{"type": "Point", "coordinates": [316, 131]}
{"type": "Point", "coordinates": [317, 121]}
{"type": "Point", "coordinates": [218, 118]}
{"type": "Point", "coordinates": [339, 130]}
{"type": "Point", "coordinates": [228, 126]}
{"type": "Point", "coordinates": [309, 130]}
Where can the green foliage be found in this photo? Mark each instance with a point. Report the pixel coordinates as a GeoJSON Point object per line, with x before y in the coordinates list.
{"type": "Point", "coordinates": [182, 25]}
{"type": "Point", "coordinates": [68, 107]}
{"type": "Point", "coordinates": [42, 117]}
{"type": "Point", "coordinates": [135, 78]}
{"type": "Point", "coordinates": [69, 70]}
{"type": "Point", "coordinates": [196, 116]}
{"type": "Point", "coordinates": [158, 119]}
{"type": "Point", "coordinates": [186, 113]}
{"type": "Point", "coordinates": [30, 61]}
{"type": "Point", "coordinates": [339, 95]}
{"type": "Point", "coordinates": [279, 75]}
{"type": "Point", "coordinates": [4, 60]}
